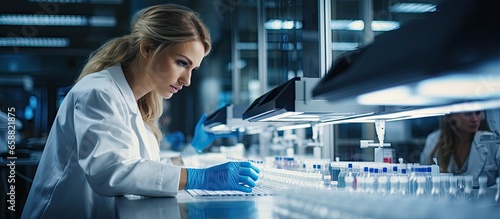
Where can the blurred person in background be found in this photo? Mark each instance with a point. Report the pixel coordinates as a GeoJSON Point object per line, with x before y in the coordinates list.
{"type": "Point", "coordinates": [457, 148]}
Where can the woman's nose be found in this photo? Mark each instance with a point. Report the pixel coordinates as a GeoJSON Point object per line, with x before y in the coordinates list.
{"type": "Point", "coordinates": [185, 79]}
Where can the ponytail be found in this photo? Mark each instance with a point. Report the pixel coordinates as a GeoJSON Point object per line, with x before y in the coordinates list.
{"type": "Point", "coordinates": [115, 51]}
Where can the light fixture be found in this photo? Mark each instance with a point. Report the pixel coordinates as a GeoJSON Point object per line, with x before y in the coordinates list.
{"type": "Point", "coordinates": [344, 46]}
{"type": "Point", "coordinates": [358, 25]}
{"type": "Point", "coordinates": [34, 42]}
{"type": "Point", "coordinates": [426, 62]}
{"type": "Point", "coordinates": [403, 95]}
{"type": "Point", "coordinates": [277, 24]}
{"type": "Point", "coordinates": [402, 7]}
{"type": "Point", "coordinates": [57, 20]}
{"type": "Point", "coordinates": [292, 102]}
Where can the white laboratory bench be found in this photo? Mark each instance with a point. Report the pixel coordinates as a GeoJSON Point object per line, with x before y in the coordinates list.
{"type": "Point", "coordinates": [186, 206]}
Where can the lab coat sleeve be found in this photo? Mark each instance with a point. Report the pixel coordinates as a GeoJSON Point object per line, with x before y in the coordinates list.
{"type": "Point", "coordinates": [104, 137]}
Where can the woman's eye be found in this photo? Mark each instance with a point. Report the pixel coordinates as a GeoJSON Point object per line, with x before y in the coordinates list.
{"type": "Point", "coordinates": [181, 63]}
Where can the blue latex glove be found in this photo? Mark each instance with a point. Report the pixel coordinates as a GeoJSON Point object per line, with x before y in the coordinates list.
{"type": "Point", "coordinates": [227, 176]}
{"type": "Point", "coordinates": [202, 139]}
{"type": "Point", "coordinates": [176, 139]}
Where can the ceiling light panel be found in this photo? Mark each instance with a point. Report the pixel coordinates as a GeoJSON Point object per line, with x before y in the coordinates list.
{"type": "Point", "coordinates": [57, 20]}
{"type": "Point", "coordinates": [33, 42]}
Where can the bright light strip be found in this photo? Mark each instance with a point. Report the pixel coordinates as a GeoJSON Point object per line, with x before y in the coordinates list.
{"type": "Point", "coordinates": [283, 115]}
{"type": "Point", "coordinates": [57, 20]}
{"type": "Point", "coordinates": [412, 8]}
{"type": "Point", "coordinates": [102, 21]}
{"type": "Point", "coordinates": [423, 112]}
{"type": "Point", "coordinates": [360, 25]}
{"type": "Point", "coordinates": [219, 127]}
{"type": "Point", "coordinates": [410, 114]}
{"type": "Point", "coordinates": [290, 127]}
{"type": "Point", "coordinates": [344, 46]}
{"type": "Point", "coordinates": [299, 117]}
{"type": "Point", "coordinates": [43, 20]}
{"type": "Point", "coordinates": [33, 42]}
{"type": "Point", "coordinates": [462, 86]}
{"type": "Point", "coordinates": [441, 90]}
{"type": "Point", "coordinates": [356, 25]}
{"type": "Point", "coordinates": [401, 95]}
{"type": "Point", "coordinates": [391, 94]}
{"type": "Point", "coordinates": [291, 119]}
{"type": "Point", "coordinates": [339, 119]}
{"type": "Point", "coordinates": [474, 106]}
{"type": "Point", "coordinates": [384, 25]}
{"type": "Point", "coordinates": [277, 24]}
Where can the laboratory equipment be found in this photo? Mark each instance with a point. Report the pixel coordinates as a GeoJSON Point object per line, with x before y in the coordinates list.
{"type": "Point", "coordinates": [293, 102]}
{"type": "Point", "coordinates": [229, 119]}
{"type": "Point", "coordinates": [389, 65]}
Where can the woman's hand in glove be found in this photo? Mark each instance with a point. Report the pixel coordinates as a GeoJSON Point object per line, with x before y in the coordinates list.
{"type": "Point", "coordinates": [227, 176]}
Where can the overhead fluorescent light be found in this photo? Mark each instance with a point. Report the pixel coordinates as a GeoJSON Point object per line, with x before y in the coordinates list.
{"type": "Point", "coordinates": [412, 8]}
{"type": "Point", "coordinates": [358, 25]}
{"type": "Point", "coordinates": [33, 42]}
{"type": "Point", "coordinates": [57, 20]}
{"type": "Point", "coordinates": [276, 24]}
{"type": "Point", "coordinates": [102, 21]}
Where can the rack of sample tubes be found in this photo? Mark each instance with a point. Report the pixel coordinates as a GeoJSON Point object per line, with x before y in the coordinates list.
{"type": "Point", "coordinates": [411, 180]}
{"type": "Point", "coordinates": [380, 190]}
{"type": "Point", "coordinates": [362, 189]}
{"type": "Point", "coordinates": [306, 188]}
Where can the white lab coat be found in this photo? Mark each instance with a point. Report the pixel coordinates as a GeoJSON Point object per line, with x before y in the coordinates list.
{"type": "Point", "coordinates": [484, 158]}
{"type": "Point", "coordinates": [98, 148]}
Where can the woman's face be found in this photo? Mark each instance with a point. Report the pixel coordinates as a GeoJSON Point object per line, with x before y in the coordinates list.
{"type": "Point", "coordinates": [175, 66]}
{"type": "Point", "coordinates": [467, 122]}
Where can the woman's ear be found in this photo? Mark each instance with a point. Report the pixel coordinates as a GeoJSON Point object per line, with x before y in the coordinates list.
{"type": "Point", "coordinates": [452, 120]}
{"type": "Point", "coordinates": [145, 49]}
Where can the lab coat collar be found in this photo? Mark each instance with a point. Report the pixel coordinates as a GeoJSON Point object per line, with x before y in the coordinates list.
{"type": "Point", "coordinates": [118, 76]}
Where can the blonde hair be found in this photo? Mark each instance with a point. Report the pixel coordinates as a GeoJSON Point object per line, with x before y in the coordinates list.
{"type": "Point", "coordinates": [161, 26]}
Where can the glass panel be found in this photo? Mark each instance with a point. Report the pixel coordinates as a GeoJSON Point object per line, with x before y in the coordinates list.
{"type": "Point", "coordinates": [283, 24]}
{"type": "Point", "coordinates": [283, 28]}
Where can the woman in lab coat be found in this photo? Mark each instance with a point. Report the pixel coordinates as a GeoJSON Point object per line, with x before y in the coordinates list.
{"type": "Point", "coordinates": [458, 149]}
{"type": "Point", "coordinates": [104, 140]}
